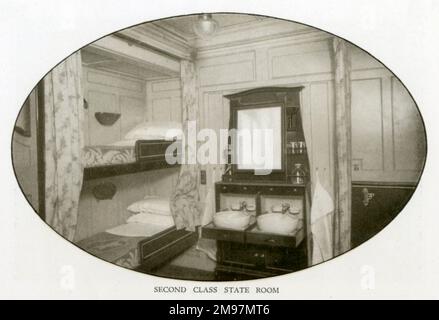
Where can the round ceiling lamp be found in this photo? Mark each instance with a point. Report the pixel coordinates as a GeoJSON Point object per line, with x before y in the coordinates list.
{"type": "Point", "coordinates": [205, 26]}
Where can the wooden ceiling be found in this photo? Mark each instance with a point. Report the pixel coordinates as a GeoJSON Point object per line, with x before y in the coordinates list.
{"type": "Point", "coordinates": [175, 37]}
{"type": "Point", "coordinates": [183, 26]}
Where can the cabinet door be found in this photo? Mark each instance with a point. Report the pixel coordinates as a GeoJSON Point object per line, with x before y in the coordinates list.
{"type": "Point", "coordinates": [370, 216]}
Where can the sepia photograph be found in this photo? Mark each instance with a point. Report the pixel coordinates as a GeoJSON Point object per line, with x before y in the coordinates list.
{"type": "Point", "coordinates": [216, 151]}
{"type": "Point", "coordinates": [219, 147]}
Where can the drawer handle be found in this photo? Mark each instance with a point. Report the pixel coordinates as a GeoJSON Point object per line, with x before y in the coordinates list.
{"type": "Point", "coordinates": [271, 189]}
{"type": "Point", "coordinates": [271, 240]}
{"type": "Point", "coordinates": [224, 188]}
{"type": "Point", "coordinates": [244, 188]}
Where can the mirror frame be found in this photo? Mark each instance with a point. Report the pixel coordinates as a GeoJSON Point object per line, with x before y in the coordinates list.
{"type": "Point", "coordinates": [263, 98]}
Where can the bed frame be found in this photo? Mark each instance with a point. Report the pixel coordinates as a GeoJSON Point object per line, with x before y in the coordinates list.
{"type": "Point", "coordinates": [154, 252]}
{"type": "Point", "coordinates": [150, 155]}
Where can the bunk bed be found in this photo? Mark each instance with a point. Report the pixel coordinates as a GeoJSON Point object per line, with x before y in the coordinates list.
{"type": "Point", "coordinates": [144, 254]}
{"type": "Point", "coordinates": [154, 244]}
{"type": "Point", "coordinates": [117, 159]}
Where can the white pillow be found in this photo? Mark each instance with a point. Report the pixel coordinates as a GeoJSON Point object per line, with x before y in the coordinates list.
{"type": "Point", "coordinates": [155, 130]}
{"type": "Point", "coordinates": [151, 218]}
{"type": "Point", "coordinates": [153, 204]}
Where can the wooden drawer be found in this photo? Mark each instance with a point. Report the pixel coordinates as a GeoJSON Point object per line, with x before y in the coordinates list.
{"type": "Point", "coordinates": [150, 246]}
{"type": "Point", "coordinates": [235, 188]}
{"type": "Point", "coordinates": [221, 234]}
{"type": "Point", "coordinates": [156, 252]}
{"type": "Point", "coordinates": [278, 260]}
{"type": "Point", "coordinates": [238, 254]}
{"type": "Point", "coordinates": [283, 190]}
{"type": "Point", "coordinates": [282, 260]}
{"type": "Point", "coordinates": [274, 240]}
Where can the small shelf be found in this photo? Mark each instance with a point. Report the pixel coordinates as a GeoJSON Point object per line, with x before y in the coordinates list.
{"type": "Point", "coordinates": [107, 118]}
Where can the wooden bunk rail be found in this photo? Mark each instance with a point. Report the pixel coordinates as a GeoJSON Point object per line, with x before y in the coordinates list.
{"type": "Point", "coordinates": [150, 155]}
{"type": "Point", "coordinates": [121, 169]}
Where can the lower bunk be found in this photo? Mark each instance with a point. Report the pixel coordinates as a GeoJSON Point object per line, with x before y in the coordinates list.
{"type": "Point", "coordinates": [144, 254]}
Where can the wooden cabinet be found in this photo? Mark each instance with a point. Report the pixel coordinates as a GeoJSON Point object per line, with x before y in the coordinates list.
{"type": "Point", "coordinates": [374, 206]}
{"type": "Point", "coordinates": [251, 253]}
{"type": "Point", "coordinates": [283, 183]}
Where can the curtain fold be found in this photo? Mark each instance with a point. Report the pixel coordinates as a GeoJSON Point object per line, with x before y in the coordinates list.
{"type": "Point", "coordinates": [342, 218]}
{"type": "Point", "coordinates": [63, 130]}
{"type": "Point", "coordinates": [185, 200]}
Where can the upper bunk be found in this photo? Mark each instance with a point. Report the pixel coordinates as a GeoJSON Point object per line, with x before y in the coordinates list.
{"type": "Point", "coordinates": [118, 96]}
{"type": "Point", "coordinates": [149, 145]}
{"type": "Point", "coordinates": [112, 160]}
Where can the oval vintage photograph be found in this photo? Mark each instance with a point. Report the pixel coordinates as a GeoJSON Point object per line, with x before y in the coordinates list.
{"type": "Point", "coordinates": [218, 147]}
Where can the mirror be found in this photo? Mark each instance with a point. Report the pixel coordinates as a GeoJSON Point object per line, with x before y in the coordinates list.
{"type": "Point", "coordinates": [256, 125]}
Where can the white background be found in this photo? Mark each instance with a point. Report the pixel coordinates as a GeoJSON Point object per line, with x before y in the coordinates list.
{"type": "Point", "coordinates": [403, 259]}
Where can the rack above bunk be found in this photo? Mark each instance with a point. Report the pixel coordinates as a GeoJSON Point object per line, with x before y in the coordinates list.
{"type": "Point", "coordinates": [113, 160]}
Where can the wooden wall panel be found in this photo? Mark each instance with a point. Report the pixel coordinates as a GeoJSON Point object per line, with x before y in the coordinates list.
{"type": "Point", "coordinates": [409, 143]}
{"type": "Point", "coordinates": [164, 100]}
{"type": "Point", "coordinates": [176, 111]}
{"type": "Point", "coordinates": [99, 215]}
{"type": "Point", "coordinates": [227, 69]}
{"type": "Point", "coordinates": [162, 182]}
{"type": "Point", "coordinates": [322, 131]}
{"type": "Point", "coordinates": [111, 92]}
{"type": "Point", "coordinates": [300, 59]}
{"type": "Point", "coordinates": [387, 131]}
{"type": "Point", "coordinates": [385, 123]}
{"type": "Point", "coordinates": [367, 124]}
{"type": "Point", "coordinates": [162, 109]}
{"type": "Point", "coordinates": [108, 79]}
{"type": "Point", "coordinates": [102, 102]}
{"type": "Point", "coordinates": [166, 85]}
{"type": "Point", "coordinates": [133, 111]}
{"type": "Point", "coordinates": [278, 66]}
{"type": "Point", "coordinates": [361, 60]}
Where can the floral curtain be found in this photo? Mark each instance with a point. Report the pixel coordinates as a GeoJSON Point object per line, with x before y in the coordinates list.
{"type": "Point", "coordinates": [185, 200]}
{"type": "Point", "coordinates": [342, 218]}
{"type": "Point", "coordinates": [63, 121]}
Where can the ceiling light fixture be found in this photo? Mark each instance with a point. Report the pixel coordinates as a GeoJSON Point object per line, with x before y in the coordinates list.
{"type": "Point", "coordinates": [205, 26]}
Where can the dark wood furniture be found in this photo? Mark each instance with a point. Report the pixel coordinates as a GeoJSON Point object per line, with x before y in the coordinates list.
{"type": "Point", "coordinates": [374, 206]}
{"type": "Point", "coordinates": [156, 251]}
{"type": "Point", "coordinates": [291, 127]}
{"type": "Point", "coordinates": [251, 253]}
{"type": "Point", "coordinates": [150, 155]}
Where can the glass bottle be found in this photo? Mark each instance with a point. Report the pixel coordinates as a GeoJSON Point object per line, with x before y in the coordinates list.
{"type": "Point", "coordinates": [298, 174]}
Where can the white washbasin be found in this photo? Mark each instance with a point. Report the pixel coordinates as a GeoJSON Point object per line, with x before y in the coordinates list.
{"type": "Point", "coordinates": [231, 219]}
{"type": "Point", "coordinates": [277, 223]}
